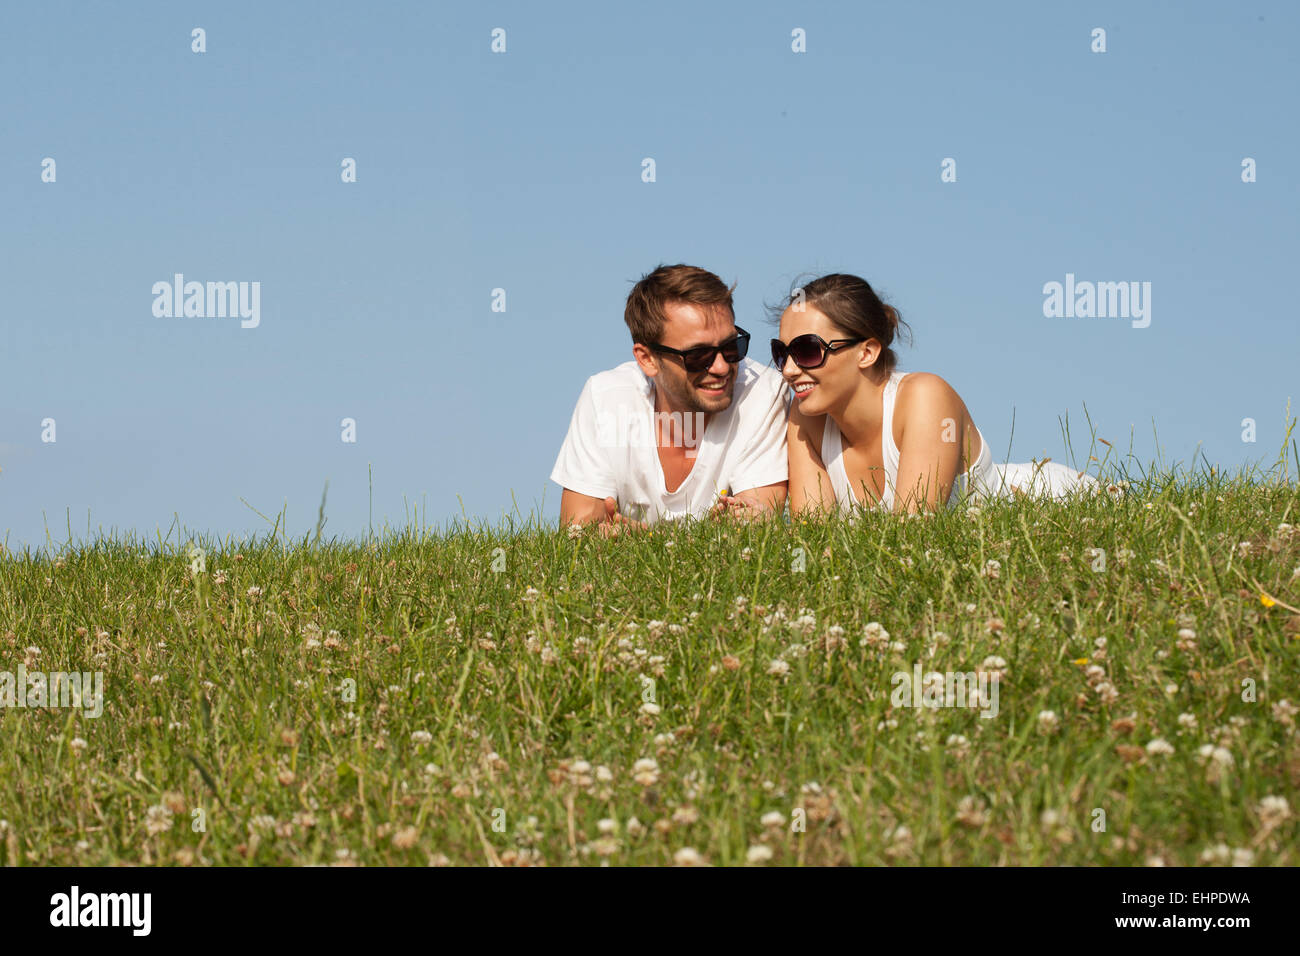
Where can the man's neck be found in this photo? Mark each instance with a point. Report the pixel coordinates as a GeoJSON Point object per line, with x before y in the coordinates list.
{"type": "Point", "coordinates": [675, 428]}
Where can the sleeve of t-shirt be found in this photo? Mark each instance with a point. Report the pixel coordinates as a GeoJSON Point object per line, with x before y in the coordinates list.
{"type": "Point", "coordinates": [584, 464]}
{"type": "Point", "coordinates": [763, 460]}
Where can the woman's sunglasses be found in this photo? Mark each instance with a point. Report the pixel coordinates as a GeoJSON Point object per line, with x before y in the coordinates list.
{"type": "Point", "coordinates": [700, 359]}
{"type": "Point", "coordinates": [807, 351]}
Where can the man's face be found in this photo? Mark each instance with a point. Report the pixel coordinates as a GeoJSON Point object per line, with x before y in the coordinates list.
{"type": "Point", "coordinates": [689, 326]}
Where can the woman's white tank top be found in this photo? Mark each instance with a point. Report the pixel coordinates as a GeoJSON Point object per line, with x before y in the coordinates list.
{"type": "Point", "coordinates": [981, 477]}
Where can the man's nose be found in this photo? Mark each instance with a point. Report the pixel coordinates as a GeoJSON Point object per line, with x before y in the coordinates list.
{"type": "Point", "coordinates": [720, 366]}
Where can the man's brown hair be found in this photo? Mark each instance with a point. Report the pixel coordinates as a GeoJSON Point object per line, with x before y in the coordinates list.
{"type": "Point", "coordinates": [644, 313]}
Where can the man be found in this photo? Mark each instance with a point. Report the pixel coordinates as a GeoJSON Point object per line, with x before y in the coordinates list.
{"type": "Point", "coordinates": [690, 426]}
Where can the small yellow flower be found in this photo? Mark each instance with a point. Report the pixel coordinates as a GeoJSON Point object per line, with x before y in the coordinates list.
{"type": "Point", "coordinates": [1265, 600]}
{"type": "Point", "coordinates": [1081, 661]}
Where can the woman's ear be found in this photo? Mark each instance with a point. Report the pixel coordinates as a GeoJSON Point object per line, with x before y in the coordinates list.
{"type": "Point", "coordinates": [870, 353]}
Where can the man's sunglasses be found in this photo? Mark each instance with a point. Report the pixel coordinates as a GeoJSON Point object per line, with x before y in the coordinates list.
{"type": "Point", "coordinates": [807, 351]}
{"type": "Point", "coordinates": [700, 359]}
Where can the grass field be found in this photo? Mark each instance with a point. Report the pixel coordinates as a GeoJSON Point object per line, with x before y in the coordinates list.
{"type": "Point", "coordinates": [707, 693]}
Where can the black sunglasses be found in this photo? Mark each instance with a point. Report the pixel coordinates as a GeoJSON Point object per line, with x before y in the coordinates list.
{"type": "Point", "coordinates": [700, 359]}
{"type": "Point", "coordinates": [808, 351]}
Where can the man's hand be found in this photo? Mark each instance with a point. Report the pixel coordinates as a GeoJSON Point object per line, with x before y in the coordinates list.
{"type": "Point", "coordinates": [751, 504]}
{"type": "Point", "coordinates": [614, 524]}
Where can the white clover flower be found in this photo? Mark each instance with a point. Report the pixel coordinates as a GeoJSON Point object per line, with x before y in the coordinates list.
{"type": "Point", "coordinates": [254, 591]}
{"type": "Point", "coordinates": [773, 819]}
{"type": "Point", "coordinates": [645, 772]}
{"type": "Point", "coordinates": [607, 826]}
{"type": "Point", "coordinates": [758, 854]}
{"type": "Point", "coordinates": [778, 668]}
{"type": "Point", "coordinates": [899, 835]}
{"type": "Point", "coordinates": [157, 819]}
{"type": "Point", "coordinates": [421, 737]}
{"type": "Point", "coordinates": [1048, 722]}
{"type": "Point", "coordinates": [688, 856]}
{"type": "Point", "coordinates": [1217, 756]}
{"type": "Point", "coordinates": [992, 569]}
{"type": "Point", "coordinates": [995, 666]}
{"type": "Point", "coordinates": [1273, 811]}
{"type": "Point", "coordinates": [874, 635]}
{"type": "Point", "coordinates": [971, 812]}
{"type": "Point", "coordinates": [685, 816]}
{"type": "Point", "coordinates": [1219, 853]}
{"type": "Point", "coordinates": [1187, 721]}
{"type": "Point", "coordinates": [531, 594]}
{"type": "Point", "coordinates": [650, 709]}
{"type": "Point", "coordinates": [1159, 747]}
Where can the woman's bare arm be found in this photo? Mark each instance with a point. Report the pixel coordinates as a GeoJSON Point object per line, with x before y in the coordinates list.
{"type": "Point", "coordinates": [810, 484]}
{"type": "Point", "coordinates": [935, 431]}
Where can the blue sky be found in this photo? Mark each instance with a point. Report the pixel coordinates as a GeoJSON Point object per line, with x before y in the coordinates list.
{"type": "Point", "coordinates": [522, 171]}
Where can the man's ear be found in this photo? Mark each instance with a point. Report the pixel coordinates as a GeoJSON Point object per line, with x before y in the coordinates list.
{"type": "Point", "coordinates": [646, 359]}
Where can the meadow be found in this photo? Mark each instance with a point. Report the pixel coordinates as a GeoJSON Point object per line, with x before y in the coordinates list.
{"type": "Point", "coordinates": [712, 692]}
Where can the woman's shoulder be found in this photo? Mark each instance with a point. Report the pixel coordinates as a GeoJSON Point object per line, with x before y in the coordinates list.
{"type": "Point", "coordinates": [925, 398]}
{"type": "Point", "coordinates": [924, 388]}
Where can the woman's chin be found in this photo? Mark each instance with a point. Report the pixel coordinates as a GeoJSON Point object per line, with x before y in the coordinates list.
{"type": "Point", "coordinates": [811, 403]}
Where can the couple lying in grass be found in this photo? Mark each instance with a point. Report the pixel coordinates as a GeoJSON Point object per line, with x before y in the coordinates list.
{"type": "Point", "coordinates": [691, 426]}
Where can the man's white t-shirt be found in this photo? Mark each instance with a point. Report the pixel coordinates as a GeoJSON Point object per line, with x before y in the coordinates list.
{"type": "Point", "coordinates": [611, 447]}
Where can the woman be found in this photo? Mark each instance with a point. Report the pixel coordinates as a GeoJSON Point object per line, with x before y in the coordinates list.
{"type": "Point", "coordinates": [860, 433]}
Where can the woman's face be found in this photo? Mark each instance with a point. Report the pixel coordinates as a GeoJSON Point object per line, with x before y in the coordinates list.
{"type": "Point", "coordinates": [818, 390]}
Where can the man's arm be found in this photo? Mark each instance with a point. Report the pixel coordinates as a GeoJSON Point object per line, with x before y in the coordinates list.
{"type": "Point", "coordinates": [761, 476]}
{"type": "Point", "coordinates": [580, 509]}
{"type": "Point", "coordinates": [583, 463]}
{"type": "Point", "coordinates": [577, 508]}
